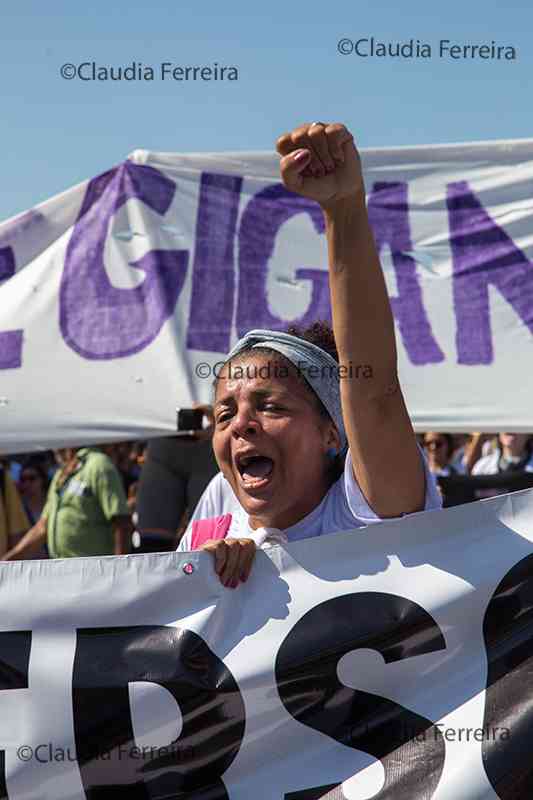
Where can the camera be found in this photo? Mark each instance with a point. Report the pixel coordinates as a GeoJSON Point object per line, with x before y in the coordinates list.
{"type": "Point", "coordinates": [189, 420]}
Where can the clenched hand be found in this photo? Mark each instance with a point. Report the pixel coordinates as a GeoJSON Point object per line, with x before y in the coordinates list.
{"type": "Point", "coordinates": [320, 161]}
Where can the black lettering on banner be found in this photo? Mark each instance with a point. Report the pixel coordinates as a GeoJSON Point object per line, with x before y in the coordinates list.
{"type": "Point", "coordinates": [15, 647]}
{"type": "Point", "coordinates": [409, 746]}
{"type": "Point", "coordinates": [508, 632]}
{"type": "Point", "coordinates": [212, 708]}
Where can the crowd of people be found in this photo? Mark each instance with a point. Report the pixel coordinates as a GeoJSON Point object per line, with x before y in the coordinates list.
{"type": "Point", "coordinates": [107, 500]}
{"type": "Point", "coordinates": [139, 497]}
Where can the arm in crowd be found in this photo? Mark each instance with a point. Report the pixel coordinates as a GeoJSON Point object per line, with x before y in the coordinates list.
{"type": "Point", "coordinates": [30, 544]}
{"type": "Point", "coordinates": [122, 531]}
{"type": "Point", "coordinates": [473, 449]}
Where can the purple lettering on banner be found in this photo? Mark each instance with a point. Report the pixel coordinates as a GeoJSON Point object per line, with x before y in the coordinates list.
{"type": "Point", "coordinates": [17, 231]}
{"type": "Point", "coordinates": [483, 254]}
{"type": "Point", "coordinates": [98, 320]}
{"type": "Point", "coordinates": [7, 263]}
{"type": "Point", "coordinates": [11, 341]}
{"type": "Point", "coordinates": [264, 215]}
{"type": "Point", "coordinates": [388, 211]}
{"type": "Point", "coordinates": [11, 349]}
{"type": "Point", "coordinates": [213, 288]}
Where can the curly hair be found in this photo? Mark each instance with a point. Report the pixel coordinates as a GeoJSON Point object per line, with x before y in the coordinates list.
{"type": "Point", "coordinates": [319, 333]}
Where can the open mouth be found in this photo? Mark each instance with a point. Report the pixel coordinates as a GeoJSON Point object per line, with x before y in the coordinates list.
{"type": "Point", "coordinates": [255, 470]}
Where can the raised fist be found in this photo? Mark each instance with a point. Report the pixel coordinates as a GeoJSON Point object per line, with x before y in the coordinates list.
{"type": "Point", "coordinates": [320, 161]}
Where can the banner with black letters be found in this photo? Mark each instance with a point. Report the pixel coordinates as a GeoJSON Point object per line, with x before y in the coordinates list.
{"type": "Point", "coordinates": [394, 661]}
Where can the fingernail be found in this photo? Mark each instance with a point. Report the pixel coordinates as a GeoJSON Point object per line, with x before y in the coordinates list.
{"type": "Point", "coordinates": [300, 155]}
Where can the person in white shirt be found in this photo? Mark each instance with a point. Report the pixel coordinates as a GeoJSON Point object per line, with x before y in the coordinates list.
{"type": "Point", "coordinates": [311, 433]}
{"type": "Point", "coordinates": [513, 454]}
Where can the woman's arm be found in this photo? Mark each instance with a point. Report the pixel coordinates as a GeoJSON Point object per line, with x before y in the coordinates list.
{"type": "Point", "coordinates": [474, 449]}
{"type": "Point", "coordinates": [386, 460]}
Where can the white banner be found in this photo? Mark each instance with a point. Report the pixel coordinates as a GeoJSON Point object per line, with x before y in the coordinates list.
{"type": "Point", "coordinates": [120, 296]}
{"type": "Point", "coordinates": [390, 662]}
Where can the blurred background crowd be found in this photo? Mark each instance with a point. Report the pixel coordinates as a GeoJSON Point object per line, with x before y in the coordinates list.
{"type": "Point", "coordinates": [138, 496]}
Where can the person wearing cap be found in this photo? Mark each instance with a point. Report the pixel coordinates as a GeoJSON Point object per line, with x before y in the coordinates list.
{"type": "Point", "coordinates": [312, 435]}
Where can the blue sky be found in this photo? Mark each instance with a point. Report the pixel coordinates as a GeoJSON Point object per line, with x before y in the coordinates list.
{"type": "Point", "coordinates": [58, 132]}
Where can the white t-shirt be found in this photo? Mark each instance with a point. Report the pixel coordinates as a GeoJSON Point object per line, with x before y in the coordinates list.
{"type": "Point", "coordinates": [488, 465]}
{"type": "Point", "coordinates": [442, 472]}
{"type": "Point", "coordinates": [343, 507]}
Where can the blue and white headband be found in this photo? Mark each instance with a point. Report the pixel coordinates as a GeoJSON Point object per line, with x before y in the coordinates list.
{"type": "Point", "coordinates": [319, 369]}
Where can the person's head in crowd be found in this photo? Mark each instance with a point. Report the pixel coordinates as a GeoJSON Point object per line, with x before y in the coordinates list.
{"type": "Point", "coordinates": [126, 456]}
{"type": "Point", "coordinates": [439, 448]}
{"type": "Point", "coordinates": [118, 452]}
{"type": "Point", "coordinates": [460, 440]}
{"type": "Point", "coordinates": [274, 440]}
{"type": "Point", "coordinates": [515, 445]}
{"type": "Point", "coordinates": [63, 455]}
{"type": "Point", "coordinates": [33, 481]}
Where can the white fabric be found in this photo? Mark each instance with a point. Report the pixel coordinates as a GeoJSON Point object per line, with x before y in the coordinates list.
{"type": "Point", "coordinates": [130, 630]}
{"type": "Point", "coordinates": [343, 507]}
{"type": "Point", "coordinates": [489, 446]}
{"type": "Point", "coordinates": [268, 537]}
{"type": "Point", "coordinates": [488, 465]}
{"type": "Point", "coordinates": [67, 380]}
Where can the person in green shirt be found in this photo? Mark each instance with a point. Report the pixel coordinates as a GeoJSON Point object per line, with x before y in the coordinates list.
{"type": "Point", "coordinates": [86, 512]}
